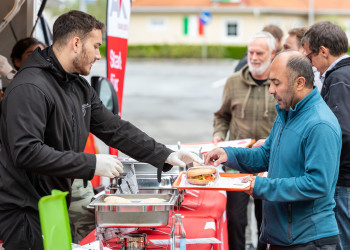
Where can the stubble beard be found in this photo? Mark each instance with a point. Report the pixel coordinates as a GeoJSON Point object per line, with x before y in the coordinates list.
{"type": "Point", "coordinates": [80, 61]}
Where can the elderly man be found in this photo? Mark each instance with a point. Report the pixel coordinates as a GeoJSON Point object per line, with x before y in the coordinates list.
{"type": "Point", "coordinates": [247, 111]}
{"type": "Point", "coordinates": [326, 45]}
{"type": "Point", "coordinates": [301, 156]}
{"type": "Point", "coordinates": [276, 32]}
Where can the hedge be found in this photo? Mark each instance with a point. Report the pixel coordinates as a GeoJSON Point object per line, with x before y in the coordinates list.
{"type": "Point", "coordinates": [182, 51]}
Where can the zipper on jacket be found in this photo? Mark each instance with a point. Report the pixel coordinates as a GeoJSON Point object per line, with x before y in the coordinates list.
{"type": "Point", "coordinates": [290, 228]}
{"type": "Point", "coordinates": [285, 124]}
{"type": "Point", "coordinates": [257, 111]}
{"type": "Point", "coordinates": [280, 135]}
{"type": "Point", "coordinates": [74, 120]}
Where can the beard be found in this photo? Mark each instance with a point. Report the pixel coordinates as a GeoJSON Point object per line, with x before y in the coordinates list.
{"type": "Point", "coordinates": [80, 63]}
{"type": "Point", "coordinates": [259, 70]}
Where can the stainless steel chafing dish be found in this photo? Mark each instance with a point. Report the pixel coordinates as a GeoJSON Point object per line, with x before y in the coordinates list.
{"type": "Point", "coordinates": [134, 214]}
{"type": "Point", "coordinates": [148, 183]}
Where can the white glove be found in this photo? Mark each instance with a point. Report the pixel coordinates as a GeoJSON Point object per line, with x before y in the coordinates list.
{"type": "Point", "coordinates": [108, 165]}
{"type": "Point", "coordinates": [181, 158]}
{"type": "Point", "coordinates": [5, 67]}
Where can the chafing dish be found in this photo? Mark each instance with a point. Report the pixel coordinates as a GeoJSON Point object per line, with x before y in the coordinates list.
{"type": "Point", "coordinates": [134, 214]}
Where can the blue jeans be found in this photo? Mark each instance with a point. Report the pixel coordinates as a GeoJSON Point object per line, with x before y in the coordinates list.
{"type": "Point", "coordinates": [342, 214]}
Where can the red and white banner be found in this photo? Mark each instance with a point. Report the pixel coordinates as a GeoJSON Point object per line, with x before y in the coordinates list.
{"type": "Point", "coordinates": [118, 19]}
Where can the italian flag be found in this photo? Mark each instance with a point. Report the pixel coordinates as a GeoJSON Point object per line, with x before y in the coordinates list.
{"type": "Point", "coordinates": [192, 26]}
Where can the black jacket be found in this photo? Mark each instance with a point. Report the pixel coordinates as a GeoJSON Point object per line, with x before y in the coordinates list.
{"type": "Point", "coordinates": [336, 93]}
{"type": "Point", "coordinates": [47, 116]}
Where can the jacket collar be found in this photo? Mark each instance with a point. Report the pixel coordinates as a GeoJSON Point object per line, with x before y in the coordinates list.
{"type": "Point", "coordinates": [341, 63]}
{"type": "Point", "coordinates": [62, 75]}
{"type": "Point", "coordinates": [304, 104]}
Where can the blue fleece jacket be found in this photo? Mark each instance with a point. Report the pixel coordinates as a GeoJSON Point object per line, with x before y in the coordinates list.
{"type": "Point", "coordinates": [301, 156]}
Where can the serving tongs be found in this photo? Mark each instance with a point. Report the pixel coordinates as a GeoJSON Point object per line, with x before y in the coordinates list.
{"type": "Point", "coordinates": [126, 183]}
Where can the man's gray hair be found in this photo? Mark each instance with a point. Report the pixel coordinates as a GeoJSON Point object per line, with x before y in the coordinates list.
{"type": "Point", "coordinates": [270, 40]}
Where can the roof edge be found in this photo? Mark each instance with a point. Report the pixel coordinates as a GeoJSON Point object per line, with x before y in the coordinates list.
{"type": "Point", "coordinates": [244, 10]}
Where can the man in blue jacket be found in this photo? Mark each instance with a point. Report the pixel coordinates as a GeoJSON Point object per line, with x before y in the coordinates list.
{"type": "Point", "coordinates": [301, 156]}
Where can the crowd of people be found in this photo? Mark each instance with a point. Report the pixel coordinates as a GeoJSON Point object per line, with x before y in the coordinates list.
{"type": "Point", "coordinates": [306, 192]}
{"type": "Point", "coordinates": [49, 109]}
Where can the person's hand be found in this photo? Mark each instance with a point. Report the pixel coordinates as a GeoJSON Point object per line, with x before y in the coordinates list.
{"type": "Point", "coordinates": [215, 157]}
{"type": "Point", "coordinates": [259, 143]}
{"type": "Point", "coordinates": [181, 158]}
{"type": "Point", "coordinates": [5, 67]}
{"type": "Point", "coordinates": [252, 182]}
{"type": "Point", "coordinates": [108, 166]}
{"type": "Point", "coordinates": [217, 139]}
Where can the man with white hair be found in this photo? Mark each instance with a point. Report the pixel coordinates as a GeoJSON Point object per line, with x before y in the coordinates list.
{"type": "Point", "coordinates": [247, 111]}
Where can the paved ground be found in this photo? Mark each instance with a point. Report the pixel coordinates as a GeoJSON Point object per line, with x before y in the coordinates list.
{"type": "Point", "coordinates": [173, 100]}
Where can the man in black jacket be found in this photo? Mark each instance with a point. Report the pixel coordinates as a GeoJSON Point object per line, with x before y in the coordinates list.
{"type": "Point", "coordinates": [48, 112]}
{"type": "Point", "coordinates": [326, 45]}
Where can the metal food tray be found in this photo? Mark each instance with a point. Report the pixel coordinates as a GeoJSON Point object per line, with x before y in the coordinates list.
{"type": "Point", "coordinates": [177, 183]}
{"type": "Point", "coordinates": [148, 184]}
{"type": "Point", "coordinates": [134, 214]}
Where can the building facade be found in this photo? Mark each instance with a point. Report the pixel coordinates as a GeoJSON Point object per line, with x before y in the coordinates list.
{"type": "Point", "coordinates": [230, 23]}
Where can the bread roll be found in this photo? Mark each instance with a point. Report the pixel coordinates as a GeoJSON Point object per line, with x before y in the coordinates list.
{"type": "Point", "coordinates": [151, 200]}
{"type": "Point", "coordinates": [198, 182]}
{"type": "Point", "coordinates": [116, 199]}
{"type": "Point", "coordinates": [200, 171]}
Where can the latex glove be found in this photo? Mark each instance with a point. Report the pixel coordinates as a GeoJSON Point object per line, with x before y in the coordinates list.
{"type": "Point", "coordinates": [108, 165]}
{"type": "Point", "coordinates": [181, 158]}
{"type": "Point", "coordinates": [5, 67]}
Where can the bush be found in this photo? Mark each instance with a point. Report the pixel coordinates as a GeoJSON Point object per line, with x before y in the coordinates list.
{"type": "Point", "coordinates": [182, 51]}
{"type": "Point", "coordinates": [185, 51]}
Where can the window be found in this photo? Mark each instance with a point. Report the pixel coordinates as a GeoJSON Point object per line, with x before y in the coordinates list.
{"type": "Point", "coordinates": [231, 32]}
{"type": "Point", "coordinates": [157, 24]}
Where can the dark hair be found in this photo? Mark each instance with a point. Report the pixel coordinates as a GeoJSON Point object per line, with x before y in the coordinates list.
{"type": "Point", "coordinates": [299, 33]}
{"type": "Point", "coordinates": [21, 46]}
{"type": "Point", "coordinates": [326, 34]}
{"type": "Point", "coordinates": [299, 66]}
{"type": "Point", "coordinates": [274, 30]}
{"type": "Point", "coordinates": [76, 23]}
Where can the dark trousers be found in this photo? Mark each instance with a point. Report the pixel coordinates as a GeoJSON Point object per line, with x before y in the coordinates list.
{"type": "Point", "coordinates": [236, 209]}
{"type": "Point", "coordinates": [20, 229]}
{"type": "Point", "coordinates": [307, 246]}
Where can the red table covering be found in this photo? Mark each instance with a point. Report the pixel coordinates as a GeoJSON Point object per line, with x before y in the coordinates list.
{"type": "Point", "coordinates": [204, 216]}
